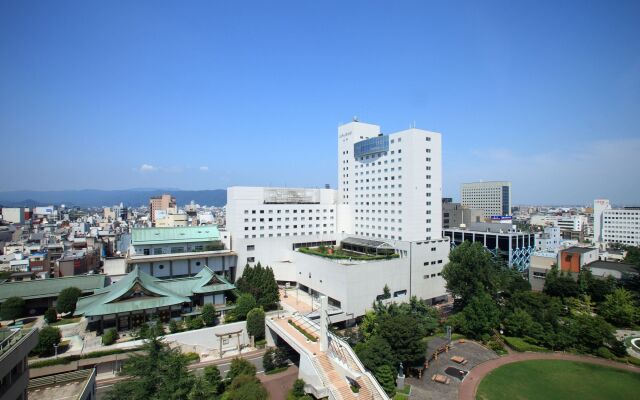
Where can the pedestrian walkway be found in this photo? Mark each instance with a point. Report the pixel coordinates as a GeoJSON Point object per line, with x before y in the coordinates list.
{"type": "Point", "coordinates": [468, 387]}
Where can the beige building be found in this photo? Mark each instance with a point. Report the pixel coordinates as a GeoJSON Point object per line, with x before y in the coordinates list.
{"type": "Point", "coordinates": [165, 203]}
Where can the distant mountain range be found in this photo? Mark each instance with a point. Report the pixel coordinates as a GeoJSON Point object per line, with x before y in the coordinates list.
{"type": "Point", "coordinates": [98, 198]}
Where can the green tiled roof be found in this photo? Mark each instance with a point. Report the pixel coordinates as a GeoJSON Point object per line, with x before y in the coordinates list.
{"type": "Point", "coordinates": [184, 234]}
{"type": "Point", "coordinates": [157, 292]}
{"type": "Point", "coordinates": [44, 288]}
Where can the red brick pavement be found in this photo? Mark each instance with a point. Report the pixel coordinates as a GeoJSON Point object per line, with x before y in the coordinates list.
{"type": "Point", "coordinates": [468, 387]}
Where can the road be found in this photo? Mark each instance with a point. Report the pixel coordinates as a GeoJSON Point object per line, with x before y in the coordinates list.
{"type": "Point", "coordinates": [255, 358]}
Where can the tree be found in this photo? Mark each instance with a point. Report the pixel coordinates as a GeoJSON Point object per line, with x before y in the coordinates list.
{"type": "Point", "coordinates": [213, 379]}
{"type": "Point", "coordinates": [520, 323]}
{"type": "Point", "coordinates": [470, 271]}
{"type": "Point", "coordinates": [47, 338]}
{"type": "Point", "coordinates": [12, 308]}
{"type": "Point", "coordinates": [297, 390]}
{"type": "Point", "coordinates": [195, 323]}
{"type": "Point", "coordinates": [67, 299]}
{"type": "Point", "coordinates": [559, 285]}
{"type": "Point", "coordinates": [245, 387]}
{"type": "Point", "coordinates": [50, 316]}
{"type": "Point", "coordinates": [246, 302]}
{"type": "Point", "coordinates": [619, 308]}
{"type": "Point", "coordinates": [109, 337]}
{"type": "Point", "coordinates": [261, 284]}
{"type": "Point", "coordinates": [404, 335]}
{"type": "Point", "coordinates": [209, 314]}
{"type": "Point", "coordinates": [255, 323]}
{"type": "Point", "coordinates": [198, 390]}
{"type": "Point", "coordinates": [158, 373]}
{"type": "Point", "coordinates": [267, 360]}
{"type": "Point", "coordinates": [240, 366]}
{"type": "Point", "coordinates": [376, 352]}
{"type": "Point", "coordinates": [387, 377]}
{"type": "Point", "coordinates": [480, 317]}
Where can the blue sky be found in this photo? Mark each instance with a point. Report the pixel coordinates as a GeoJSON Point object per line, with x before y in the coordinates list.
{"type": "Point", "coordinates": [204, 95]}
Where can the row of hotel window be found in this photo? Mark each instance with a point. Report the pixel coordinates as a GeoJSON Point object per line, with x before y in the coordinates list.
{"type": "Point", "coordinates": [172, 250]}
{"type": "Point", "coordinates": [253, 228]}
{"type": "Point", "coordinates": [288, 234]}
{"type": "Point", "coordinates": [286, 211]}
{"type": "Point", "coordinates": [287, 219]}
{"type": "Point", "coordinates": [381, 236]}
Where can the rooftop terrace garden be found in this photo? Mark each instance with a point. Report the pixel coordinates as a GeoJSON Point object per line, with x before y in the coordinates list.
{"type": "Point", "coordinates": [338, 253]}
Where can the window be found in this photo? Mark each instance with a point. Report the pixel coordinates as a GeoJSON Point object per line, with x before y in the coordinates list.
{"type": "Point", "coordinates": [251, 247]}
{"type": "Point", "coordinates": [145, 252]}
{"type": "Point", "coordinates": [251, 259]}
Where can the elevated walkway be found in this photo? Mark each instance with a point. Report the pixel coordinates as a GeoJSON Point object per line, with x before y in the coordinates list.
{"type": "Point", "coordinates": [327, 373]}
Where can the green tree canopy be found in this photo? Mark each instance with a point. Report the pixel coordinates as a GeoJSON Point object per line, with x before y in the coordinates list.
{"type": "Point", "coordinates": [47, 338]}
{"type": "Point", "coordinates": [67, 299]}
{"type": "Point", "coordinates": [213, 380]}
{"type": "Point", "coordinates": [12, 308]}
{"type": "Point", "coordinates": [404, 334]}
{"type": "Point", "coordinates": [386, 376]}
{"type": "Point", "coordinates": [261, 284]}
{"type": "Point", "coordinates": [558, 284]}
{"type": "Point", "coordinates": [620, 308]}
{"type": "Point", "coordinates": [255, 323]}
{"type": "Point", "coordinates": [376, 352]}
{"type": "Point", "coordinates": [245, 387]}
{"type": "Point", "coordinates": [159, 373]}
{"type": "Point", "coordinates": [51, 315]}
{"type": "Point", "coordinates": [480, 317]}
{"type": "Point", "coordinates": [472, 270]}
{"type": "Point", "coordinates": [240, 366]}
{"type": "Point", "coordinates": [245, 303]}
{"type": "Point", "coordinates": [209, 314]}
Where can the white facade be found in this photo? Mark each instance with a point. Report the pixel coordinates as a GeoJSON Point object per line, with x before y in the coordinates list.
{"type": "Point", "coordinates": [615, 225]}
{"type": "Point", "coordinates": [389, 186]}
{"type": "Point", "coordinates": [572, 222]}
{"type": "Point", "coordinates": [492, 197]}
{"type": "Point", "coordinates": [549, 240]}
{"type": "Point", "coordinates": [260, 212]}
{"type": "Point", "coordinates": [14, 215]}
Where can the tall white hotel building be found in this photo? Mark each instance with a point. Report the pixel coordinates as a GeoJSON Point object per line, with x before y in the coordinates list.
{"type": "Point", "coordinates": [389, 186]}
{"type": "Point", "coordinates": [389, 198]}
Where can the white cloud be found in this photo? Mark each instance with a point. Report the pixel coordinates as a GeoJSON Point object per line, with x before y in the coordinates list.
{"type": "Point", "coordinates": [148, 168]}
{"type": "Point", "coordinates": [204, 168]}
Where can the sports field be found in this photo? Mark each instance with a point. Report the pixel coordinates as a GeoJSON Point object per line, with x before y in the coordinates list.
{"type": "Point", "coordinates": [562, 380]}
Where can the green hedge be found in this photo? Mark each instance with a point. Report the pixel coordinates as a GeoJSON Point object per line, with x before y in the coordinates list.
{"type": "Point", "coordinates": [305, 333]}
{"type": "Point", "coordinates": [339, 255]}
{"type": "Point", "coordinates": [276, 370]}
{"type": "Point", "coordinates": [521, 345]}
{"type": "Point", "coordinates": [69, 359]}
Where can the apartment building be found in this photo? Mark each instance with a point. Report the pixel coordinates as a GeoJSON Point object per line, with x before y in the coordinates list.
{"type": "Point", "coordinates": [161, 205]}
{"type": "Point", "coordinates": [494, 198]}
{"type": "Point", "coordinates": [611, 225]}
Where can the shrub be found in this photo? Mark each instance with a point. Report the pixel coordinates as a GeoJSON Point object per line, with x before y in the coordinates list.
{"type": "Point", "coordinates": [173, 326]}
{"type": "Point", "coordinates": [209, 314]}
{"type": "Point", "coordinates": [50, 316]}
{"type": "Point", "coordinates": [267, 360]}
{"type": "Point", "coordinates": [191, 357]}
{"type": "Point", "coordinates": [195, 323]}
{"type": "Point", "coordinates": [109, 337]}
{"type": "Point", "coordinates": [605, 353]}
{"type": "Point", "coordinates": [520, 344]}
{"type": "Point", "coordinates": [47, 338]}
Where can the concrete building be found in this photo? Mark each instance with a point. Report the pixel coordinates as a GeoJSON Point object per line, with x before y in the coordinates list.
{"type": "Point", "coordinates": [15, 345]}
{"type": "Point", "coordinates": [76, 385]}
{"type": "Point", "coordinates": [549, 240]}
{"type": "Point", "coordinates": [389, 186]}
{"type": "Point", "coordinates": [615, 225]}
{"type": "Point", "coordinates": [164, 203]}
{"type": "Point", "coordinates": [574, 258]}
{"type": "Point", "coordinates": [504, 241]}
{"type": "Point", "coordinates": [182, 251]}
{"type": "Point", "coordinates": [14, 215]}
{"type": "Point", "coordinates": [494, 198]}
{"type": "Point", "coordinates": [454, 215]}
{"type": "Point", "coordinates": [541, 263]}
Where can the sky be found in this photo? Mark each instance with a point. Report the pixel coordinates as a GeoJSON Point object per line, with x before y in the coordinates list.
{"type": "Point", "coordinates": [206, 95]}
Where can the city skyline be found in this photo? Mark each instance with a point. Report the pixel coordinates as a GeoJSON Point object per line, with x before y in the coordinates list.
{"type": "Point", "coordinates": [210, 96]}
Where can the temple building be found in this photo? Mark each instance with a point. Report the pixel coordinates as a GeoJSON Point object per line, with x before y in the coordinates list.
{"type": "Point", "coordinates": [139, 297]}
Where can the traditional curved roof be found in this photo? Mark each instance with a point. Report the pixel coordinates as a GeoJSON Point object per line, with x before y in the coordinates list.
{"type": "Point", "coordinates": [139, 291]}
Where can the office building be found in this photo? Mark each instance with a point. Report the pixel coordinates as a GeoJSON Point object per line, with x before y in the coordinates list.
{"type": "Point", "coordinates": [455, 215]}
{"type": "Point", "coordinates": [611, 225]}
{"type": "Point", "coordinates": [389, 186]}
{"type": "Point", "coordinates": [159, 206]}
{"type": "Point", "coordinates": [513, 247]}
{"type": "Point", "coordinates": [494, 198]}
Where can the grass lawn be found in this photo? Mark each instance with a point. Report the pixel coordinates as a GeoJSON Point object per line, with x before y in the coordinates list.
{"type": "Point", "coordinates": [65, 321]}
{"type": "Point", "coordinates": [551, 379]}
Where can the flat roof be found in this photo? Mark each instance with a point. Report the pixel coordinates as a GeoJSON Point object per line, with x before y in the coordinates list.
{"type": "Point", "coordinates": [581, 250]}
{"type": "Point", "coordinates": [615, 266]}
{"type": "Point", "coordinates": [183, 234]}
{"type": "Point", "coordinates": [376, 244]}
{"type": "Point", "coordinates": [65, 386]}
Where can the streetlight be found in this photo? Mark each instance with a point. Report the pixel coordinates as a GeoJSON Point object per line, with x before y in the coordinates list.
{"type": "Point", "coordinates": [55, 347]}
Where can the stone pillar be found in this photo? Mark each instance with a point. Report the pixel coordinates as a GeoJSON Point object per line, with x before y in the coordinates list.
{"type": "Point", "coordinates": [324, 328]}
